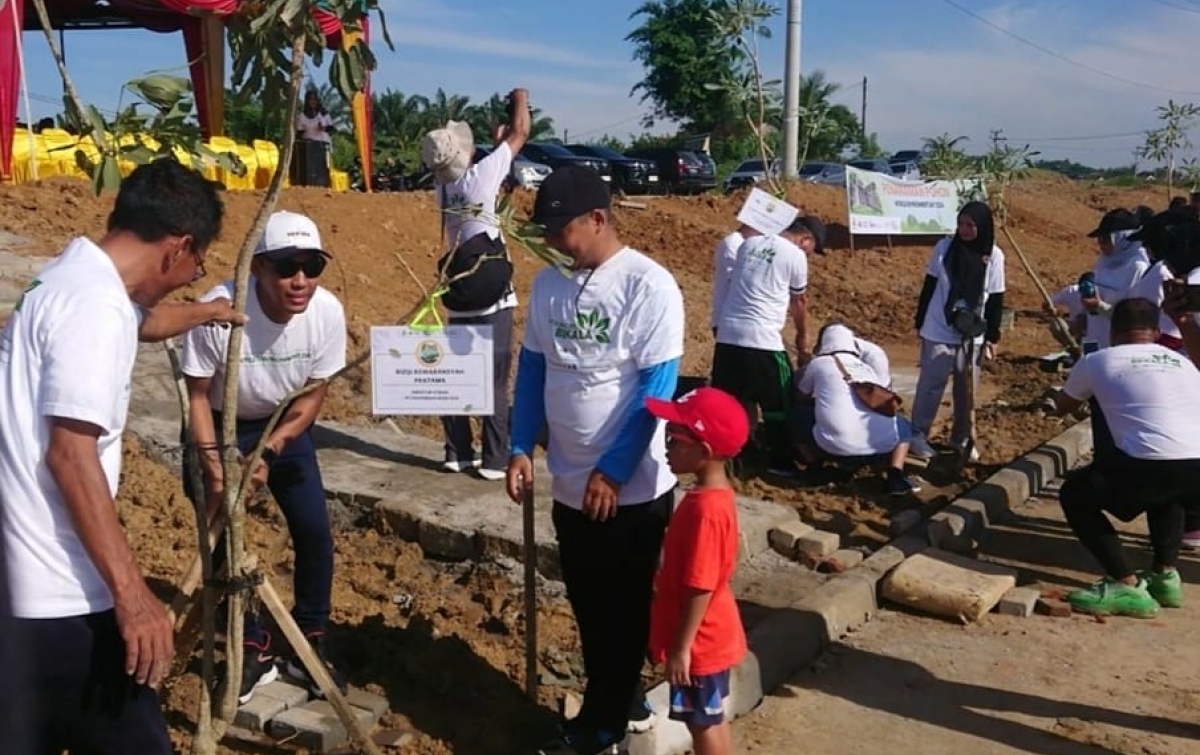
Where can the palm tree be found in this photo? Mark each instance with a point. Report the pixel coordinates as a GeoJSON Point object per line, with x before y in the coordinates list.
{"type": "Point", "coordinates": [484, 117]}
{"type": "Point", "coordinates": [446, 107]}
{"type": "Point", "coordinates": [399, 121]}
{"type": "Point", "coordinates": [337, 107]}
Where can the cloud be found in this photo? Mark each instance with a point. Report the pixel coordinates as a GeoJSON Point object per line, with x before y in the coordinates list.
{"type": "Point", "coordinates": [475, 44]}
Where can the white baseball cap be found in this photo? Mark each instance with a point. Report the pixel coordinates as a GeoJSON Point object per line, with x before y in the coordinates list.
{"type": "Point", "coordinates": [288, 233]}
{"type": "Point", "coordinates": [447, 151]}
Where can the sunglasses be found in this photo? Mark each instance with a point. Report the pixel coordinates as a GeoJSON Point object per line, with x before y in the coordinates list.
{"type": "Point", "coordinates": [682, 437]}
{"type": "Point", "coordinates": [289, 266]}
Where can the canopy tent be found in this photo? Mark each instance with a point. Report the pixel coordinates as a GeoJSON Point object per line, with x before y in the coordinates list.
{"type": "Point", "coordinates": [204, 40]}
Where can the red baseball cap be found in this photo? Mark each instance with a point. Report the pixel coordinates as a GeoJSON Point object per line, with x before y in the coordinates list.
{"type": "Point", "coordinates": [712, 415]}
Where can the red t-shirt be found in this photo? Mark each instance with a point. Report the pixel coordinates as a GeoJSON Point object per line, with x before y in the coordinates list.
{"type": "Point", "coordinates": [700, 551]}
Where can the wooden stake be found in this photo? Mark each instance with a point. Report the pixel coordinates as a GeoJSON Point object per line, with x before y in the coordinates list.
{"type": "Point", "coordinates": [316, 667]}
{"type": "Point", "coordinates": [531, 635]}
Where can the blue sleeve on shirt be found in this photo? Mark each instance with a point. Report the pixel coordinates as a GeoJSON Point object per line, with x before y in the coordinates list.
{"type": "Point", "coordinates": [637, 429]}
{"type": "Point", "coordinates": [529, 402]}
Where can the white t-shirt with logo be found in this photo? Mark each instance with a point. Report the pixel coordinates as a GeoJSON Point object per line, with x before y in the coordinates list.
{"type": "Point", "coordinates": [479, 186]}
{"type": "Point", "coordinates": [310, 127]}
{"type": "Point", "coordinates": [277, 358]}
{"type": "Point", "coordinates": [597, 330]}
{"type": "Point", "coordinates": [1150, 397]}
{"type": "Point", "coordinates": [1113, 284]}
{"type": "Point", "coordinates": [845, 426]}
{"type": "Point", "coordinates": [770, 270]}
{"type": "Point", "coordinates": [935, 329]}
{"type": "Point", "coordinates": [67, 351]}
{"type": "Point", "coordinates": [724, 258]}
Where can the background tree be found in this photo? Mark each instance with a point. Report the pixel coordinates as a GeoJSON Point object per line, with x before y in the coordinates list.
{"type": "Point", "coordinates": [945, 158]}
{"type": "Point", "coordinates": [682, 50]}
{"type": "Point", "coordinates": [1164, 144]}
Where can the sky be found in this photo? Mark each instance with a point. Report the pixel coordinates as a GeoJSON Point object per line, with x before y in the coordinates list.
{"type": "Point", "coordinates": [930, 67]}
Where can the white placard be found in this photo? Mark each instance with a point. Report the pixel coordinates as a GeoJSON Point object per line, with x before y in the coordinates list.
{"type": "Point", "coordinates": [766, 214]}
{"type": "Point", "coordinates": [443, 372]}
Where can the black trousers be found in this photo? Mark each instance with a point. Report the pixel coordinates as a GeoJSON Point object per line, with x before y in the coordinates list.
{"type": "Point", "coordinates": [608, 568]}
{"type": "Point", "coordinates": [760, 380]}
{"type": "Point", "coordinates": [495, 428]}
{"type": "Point", "coordinates": [79, 697]}
{"type": "Point", "coordinates": [1127, 488]}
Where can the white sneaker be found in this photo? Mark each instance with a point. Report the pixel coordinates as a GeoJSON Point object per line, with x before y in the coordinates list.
{"type": "Point", "coordinates": [492, 475]}
{"type": "Point", "coordinates": [458, 466]}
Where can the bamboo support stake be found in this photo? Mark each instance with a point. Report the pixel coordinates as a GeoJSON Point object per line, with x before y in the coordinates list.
{"type": "Point", "coordinates": [1062, 333]}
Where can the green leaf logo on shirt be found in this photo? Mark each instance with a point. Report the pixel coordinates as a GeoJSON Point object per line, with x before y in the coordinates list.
{"type": "Point", "coordinates": [30, 287]}
{"type": "Point", "coordinates": [588, 326]}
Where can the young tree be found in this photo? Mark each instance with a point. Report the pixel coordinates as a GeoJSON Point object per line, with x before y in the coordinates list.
{"type": "Point", "coordinates": [1164, 144]}
{"type": "Point", "coordinates": [945, 159]}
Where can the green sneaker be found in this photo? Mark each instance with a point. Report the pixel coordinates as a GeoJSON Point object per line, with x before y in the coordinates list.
{"type": "Point", "coordinates": [1117, 598]}
{"type": "Point", "coordinates": [1165, 587]}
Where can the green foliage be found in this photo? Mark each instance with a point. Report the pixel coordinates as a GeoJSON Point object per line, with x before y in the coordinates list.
{"type": "Point", "coordinates": [139, 136]}
{"type": "Point", "coordinates": [868, 148]}
{"type": "Point", "coordinates": [946, 160]}
{"type": "Point", "coordinates": [932, 226]}
{"type": "Point", "coordinates": [1164, 144]}
{"type": "Point", "coordinates": [682, 51]}
{"type": "Point", "coordinates": [1000, 167]}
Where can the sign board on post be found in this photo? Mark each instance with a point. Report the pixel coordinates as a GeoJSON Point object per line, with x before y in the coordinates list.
{"type": "Point", "coordinates": [442, 372]}
{"type": "Point", "coordinates": [880, 204]}
{"type": "Point", "coordinates": [766, 214]}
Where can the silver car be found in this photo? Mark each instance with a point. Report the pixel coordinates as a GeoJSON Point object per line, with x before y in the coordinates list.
{"type": "Point", "coordinates": [826, 174]}
{"type": "Point", "coordinates": [749, 173]}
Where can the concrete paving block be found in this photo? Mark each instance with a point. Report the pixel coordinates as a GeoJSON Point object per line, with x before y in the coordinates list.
{"type": "Point", "coordinates": [255, 714]}
{"type": "Point", "coordinates": [893, 554]}
{"type": "Point", "coordinates": [667, 737]}
{"type": "Point", "coordinates": [444, 540]}
{"type": "Point", "coordinates": [1019, 601]}
{"type": "Point", "coordinates": [756, 519]}
{"type": "Point", "coordinates": [374, 704]}
{"type": "Point", "coordinates": [1015, 483]}
{"type": "Point", "coordinates": [1059, 609]}
{"type": "Point", "coordinates": [314, 725]}
{"type": "Point", "coordinates": [841, 561]}
{"type": "Point", "coordinates": [819, 543]}
{"type": "Point", "coordinates": [903, 521]}
{"type": "Point", "coordinates": [784, 538]}
{"type": "Point", "coordinates": [948, 585]}
{"type": "Point", "coordinates": [745, 687]}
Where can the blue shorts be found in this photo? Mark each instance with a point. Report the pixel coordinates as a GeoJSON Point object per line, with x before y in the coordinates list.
{"type": "Point", "coordinates": [702, 704]}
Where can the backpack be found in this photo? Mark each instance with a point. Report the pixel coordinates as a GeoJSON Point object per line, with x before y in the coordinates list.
{"type": "Point", "coordinates": [876, 398]}
{"type": "Point", "coordinates": [491, 280]}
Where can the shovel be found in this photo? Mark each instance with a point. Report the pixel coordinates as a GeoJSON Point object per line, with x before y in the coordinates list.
{"type": "Point", "coordinates": [964, 453]}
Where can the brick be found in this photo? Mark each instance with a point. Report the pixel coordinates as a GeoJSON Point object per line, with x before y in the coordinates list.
{"type": "Point", "coordinates": [784, 538]}
{"type": "Point", "coordinates": [313, 725]}
{"type": "Point", "coordinates": [1019, 601]}
{"type": "Point", "coordinates": [268, 702]}
{"type": "Point", "coordinates": [840, 561]}
{"type": "Point", "coordinates": [903, 521]}
{"type": "Point", "coordinates": [392, 738]}
{"type": "Point", "coordinates": [819, 543]}
{"type": "Point", "coordinates": [945, 584]}
{"type": "Point", "coordinates": [374, 704]}
{"type": "Point", "coordinates": [1056, 608]}
{"type": "Point", "coordinates": [756, 519]}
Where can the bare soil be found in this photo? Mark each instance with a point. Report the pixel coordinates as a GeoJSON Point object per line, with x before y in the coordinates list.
{"type": "Point", "coordinates": [450, 660]}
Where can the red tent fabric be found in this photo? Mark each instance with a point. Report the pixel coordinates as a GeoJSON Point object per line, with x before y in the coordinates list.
{"type": "Point", "coordinates": [12, 16]}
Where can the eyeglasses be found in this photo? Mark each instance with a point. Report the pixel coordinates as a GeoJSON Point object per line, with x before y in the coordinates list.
{"type": "Point", "coordinates": [287, 267]}
{"type": "Point", "coordinates": [682, 437]}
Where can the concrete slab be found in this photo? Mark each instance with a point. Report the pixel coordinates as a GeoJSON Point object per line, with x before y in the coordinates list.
{"type": "Point", "coordinates": [948, 585]}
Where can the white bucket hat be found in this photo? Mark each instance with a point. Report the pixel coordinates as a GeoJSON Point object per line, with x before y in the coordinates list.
{"type": "Point", "coordinates": [447, 151]}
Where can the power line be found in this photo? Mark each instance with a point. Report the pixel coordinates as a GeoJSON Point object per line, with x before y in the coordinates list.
{"type": "Point", "coordinates": [1064, 58]}
{"type": "Point", "coordinates": [1177, 6]}
{"type": "Point", "coordinates": [1088, 138]}
{"type": "Point", "coordinates": [621, 122]}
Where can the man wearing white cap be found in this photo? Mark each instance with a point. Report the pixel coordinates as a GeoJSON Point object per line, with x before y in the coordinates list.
{"type": "Point", "coordinates": [296, 335]}
{"type": "Point", "coordinates": [467, 197]}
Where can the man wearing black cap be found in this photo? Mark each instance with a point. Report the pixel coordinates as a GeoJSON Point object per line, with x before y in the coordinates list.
{"type": "Point", "coordinates": [1120, 265]}
{"type": "Point", "coordinates": [296, 335]}
{"type": "Point", "coordinates": [600, 338]}
{"type": "Point", "coordinates": [769, 282]}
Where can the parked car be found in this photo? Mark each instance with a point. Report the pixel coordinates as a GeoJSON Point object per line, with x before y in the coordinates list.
{"type": "Point", "coordinates": [629, 174]}
{"type": "Point", "coordinates": [680, 171]}
{"type": "Point", "coordinates": [916, 155]}
{"type": "Point", "coordinates": [827, 174]}
{"type": "Point", "coordinates": [906, 170]}
{"type": "Point", "coordinates": [873, 165]}
{"type": "Point", "coordinates": [749, 173]}
{"type": "Point", "coordinates": [525, 173]}
{"type": "Point", "coordinates": [556, 155]}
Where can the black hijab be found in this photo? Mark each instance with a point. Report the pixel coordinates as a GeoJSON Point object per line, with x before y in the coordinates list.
{"type": "Point", "coordinates": [966, 261]}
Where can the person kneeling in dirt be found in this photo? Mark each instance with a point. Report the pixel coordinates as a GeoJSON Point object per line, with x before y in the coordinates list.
{"type": "Point", "coordinates": [695, 629]}
{"type": "Point", "coordinates": [961, 303]}
{"type": "Point", "coordinates": [467, 196]}
{"type": "Point", "coordinates": [598, 342]}
{"type": "Point", "coordinates": [1151, 398]}
{"type": "Point", "coordinates": [296, 336]}
{"type": "Point", "coordinates": [832, 422]}
{"type": "Point", "coordinates": [769, 281]}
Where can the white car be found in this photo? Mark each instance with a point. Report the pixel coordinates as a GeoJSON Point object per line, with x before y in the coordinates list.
{"type": "Point", "coordinates": [749, 173]}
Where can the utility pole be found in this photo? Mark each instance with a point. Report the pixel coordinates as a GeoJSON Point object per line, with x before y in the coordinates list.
{"type": "Point", "coordinates": [863, 120]}
{"type": "Point", "coordinates": [791, 92]}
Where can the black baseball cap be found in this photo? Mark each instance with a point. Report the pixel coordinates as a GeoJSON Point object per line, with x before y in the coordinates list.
{"type": "Point", "coordinates": [567, 193]}
{"type": "Point", "coordinates": [1115, 221]}
{"type": "Point", "coordinates": [813, 225]}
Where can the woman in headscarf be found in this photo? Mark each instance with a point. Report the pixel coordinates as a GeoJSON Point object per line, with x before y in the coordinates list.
{"type": "Point", "coordinates": [312, 122]}
{"type": "Point", "coordinates": [1120, 265]}
{"type": "Point", "coordinates": [961, 303]}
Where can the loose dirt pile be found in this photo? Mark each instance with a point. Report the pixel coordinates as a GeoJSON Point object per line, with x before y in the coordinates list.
{"type": "Point", "coordinates": [443, 643]}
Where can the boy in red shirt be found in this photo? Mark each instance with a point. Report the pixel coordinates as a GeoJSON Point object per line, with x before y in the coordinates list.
{"type": "Point", "coordinates": [695, 629]}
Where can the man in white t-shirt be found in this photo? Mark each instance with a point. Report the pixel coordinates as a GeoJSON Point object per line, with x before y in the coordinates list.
{"type": "Point", "coordinates": [769, 282]}
{"type": "Point", "coordinates": [296, 336]}
{"type": "Point", "coordinates": [96, 639]}
{"type": "Point", "coordinates": [467, 196]}
{"type": "Point", "coordinates": [960, 304]}
{"type": "Point", "coordinates": [1150, 397]}
{"type": "Point", "coordinates": [724, 260]}
{"type": "Point", "coordinates": [599, 340]}
{"type": "Point", "coordinates": [831, 420]}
